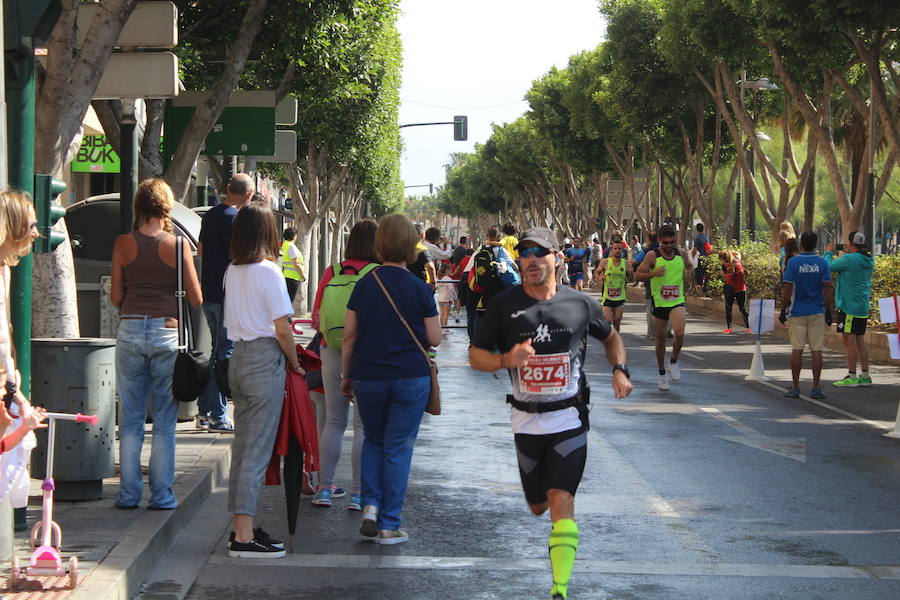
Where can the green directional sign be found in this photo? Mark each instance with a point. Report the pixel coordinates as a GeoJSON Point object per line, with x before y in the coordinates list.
{"type": "Point", "coordinates": [95, 155]}
{"type": "Point", "coordinates": [246, 126]}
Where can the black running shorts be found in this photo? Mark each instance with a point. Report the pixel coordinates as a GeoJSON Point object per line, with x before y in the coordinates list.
{"type": "Point", "coordinates": [662, 312]}
{"type": "Point", "coordinates": [850, 324]}
{"type": "Point", "coordinates": [552, 461]}
{"type": "Point", "coordinates": [613, 303]}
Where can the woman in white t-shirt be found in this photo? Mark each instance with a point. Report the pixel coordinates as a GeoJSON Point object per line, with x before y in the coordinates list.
{"type": "Point", "coordinates": [257, 309]}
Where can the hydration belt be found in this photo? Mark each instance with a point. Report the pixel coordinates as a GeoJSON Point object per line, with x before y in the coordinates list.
{"type": "Point", "coordinates": [582, 397]}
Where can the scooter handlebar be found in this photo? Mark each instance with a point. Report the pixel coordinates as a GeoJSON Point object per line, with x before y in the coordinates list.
{"type": "Point", "coordinates": [91, 419]}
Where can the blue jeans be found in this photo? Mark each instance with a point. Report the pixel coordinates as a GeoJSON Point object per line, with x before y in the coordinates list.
{"type": "Point", "coordinates": [211, 402]}
{"type": "Point", "coordinates": [391, 411]}
{"type": "Point", "coordinates": [145, 359]}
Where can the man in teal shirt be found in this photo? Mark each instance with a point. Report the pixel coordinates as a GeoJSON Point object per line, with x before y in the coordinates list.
{"type": "Point", "coordinates": [854, 287]}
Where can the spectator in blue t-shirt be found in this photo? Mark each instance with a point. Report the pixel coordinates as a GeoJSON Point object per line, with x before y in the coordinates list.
{"type": "Point", "coordinates": [387, 372]}
{"type": "Point", "coordinates": [215, 240]}
{"type": "Point", "coordinates": [807, 278]}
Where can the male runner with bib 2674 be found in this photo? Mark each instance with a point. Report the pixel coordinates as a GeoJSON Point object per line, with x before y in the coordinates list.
{"type": "Point", "coordinates": [664, 267]}
{"type": "Point", "coordinates": [541, 332]}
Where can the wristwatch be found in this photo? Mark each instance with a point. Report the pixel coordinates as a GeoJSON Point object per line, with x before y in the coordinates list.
{"type": "Point", "coordinates": [623, 368]}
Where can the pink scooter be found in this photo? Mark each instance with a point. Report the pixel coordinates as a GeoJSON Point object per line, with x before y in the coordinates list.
{"type": "Point", "coordinates": [46, 559]}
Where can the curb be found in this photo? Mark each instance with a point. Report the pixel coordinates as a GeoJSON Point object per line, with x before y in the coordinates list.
{"type": "Point", "coordinates": [120, 574]}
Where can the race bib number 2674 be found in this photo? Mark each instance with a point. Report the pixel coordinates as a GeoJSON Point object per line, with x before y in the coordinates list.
{"type": "Point", "coordinates": [545, 374]}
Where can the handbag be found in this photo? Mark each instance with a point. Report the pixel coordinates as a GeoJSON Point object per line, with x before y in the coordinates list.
{"type": "Point", "coordinates": [191, 372]}
{"type": "Point", "coordinates": [434, 397]}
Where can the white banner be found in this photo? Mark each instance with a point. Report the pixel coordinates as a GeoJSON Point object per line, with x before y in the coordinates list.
{"type": "Point", "coordinates": [765, 322]}
{"type": "Point", "coordinates": [894, 343]}
{"type": "Point", "coordinates": [888, 310]}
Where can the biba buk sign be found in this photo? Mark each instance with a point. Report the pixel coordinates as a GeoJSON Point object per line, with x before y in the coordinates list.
{"type": "Point", "coordinates": [95, 156]}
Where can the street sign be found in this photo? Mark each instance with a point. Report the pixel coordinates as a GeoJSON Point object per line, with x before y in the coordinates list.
{"type": "Point", "coordinates": [245, 128]}
{"type": "Point", "coordinates": [151, 25]}
{"type": "Point", "coordinates": [286, 112]}
{"type": "Point", "coordinates": [285, 148]}
{"type": "Point", "coordinates": [139, 75]}
{"type": "Point", "coordinates": [96, 156]}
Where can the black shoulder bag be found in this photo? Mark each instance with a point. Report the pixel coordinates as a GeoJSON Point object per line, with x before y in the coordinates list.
{"type": "Point", "coordinates": [191, 372]}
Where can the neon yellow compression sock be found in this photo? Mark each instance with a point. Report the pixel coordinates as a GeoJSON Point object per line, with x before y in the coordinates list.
{"type": "Point", "coordinates": [563, 545]}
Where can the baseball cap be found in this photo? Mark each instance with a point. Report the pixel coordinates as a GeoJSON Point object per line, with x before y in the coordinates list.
{"type": "Point", "coordinates": [541, 236]}
{"type": "Point", "coordinates": [858, 239]}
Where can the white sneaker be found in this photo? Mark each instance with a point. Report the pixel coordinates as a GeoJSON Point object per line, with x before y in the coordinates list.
{"type": "Point", "coordinates": [664, 383]}
{"type": "Point", "coordinates": [392, 536]}
{"type": "Point", "coordinates": [674, 372]}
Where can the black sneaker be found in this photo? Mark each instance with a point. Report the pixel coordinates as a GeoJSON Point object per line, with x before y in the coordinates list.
{"type": "Point", "coordinates": [254, 549]}
{"type": "Point", "coordinates": [260, 535]}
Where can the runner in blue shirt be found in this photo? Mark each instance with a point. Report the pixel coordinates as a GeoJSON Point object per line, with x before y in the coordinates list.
{"type": "Point", "coordinates": [576, 258]}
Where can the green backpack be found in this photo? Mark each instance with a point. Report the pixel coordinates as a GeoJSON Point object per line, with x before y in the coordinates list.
{"type": "Point", "coordinates": [334, 302]}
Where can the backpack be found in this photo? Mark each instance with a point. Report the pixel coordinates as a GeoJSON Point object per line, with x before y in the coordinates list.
{"type": "Point", "coordinates": [484, 278]}
{"type": "Point", "coordinates": [334, 301]}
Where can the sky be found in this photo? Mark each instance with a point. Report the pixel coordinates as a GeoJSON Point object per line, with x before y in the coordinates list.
{"type": "Point", "coordinates": [478, 58]}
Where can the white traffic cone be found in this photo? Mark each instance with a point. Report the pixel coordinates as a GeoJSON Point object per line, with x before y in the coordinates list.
{"type": "Point", "coordinates": [757, 369]}
{"type": "Point", "coordinates": [896, 432]}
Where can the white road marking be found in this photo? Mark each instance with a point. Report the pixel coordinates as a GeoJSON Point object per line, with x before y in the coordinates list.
{"type": "Point", "coordinates": [479, 563]}
{"type": "Point", "coordinates": [793, 448]}
{"type": "Point", "coordinates": [692, 355]}
{"type": "Point", "coordinates": [880, 425]}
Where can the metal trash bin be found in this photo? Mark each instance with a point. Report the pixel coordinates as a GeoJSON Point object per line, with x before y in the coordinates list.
{"type": "Point", "coordinates": [76, 375]}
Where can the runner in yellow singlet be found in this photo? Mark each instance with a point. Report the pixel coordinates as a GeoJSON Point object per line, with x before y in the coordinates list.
{"type": "Point", "coordinates": [613, 274]}
{"type": "Point", "coordinates": [665, 270]}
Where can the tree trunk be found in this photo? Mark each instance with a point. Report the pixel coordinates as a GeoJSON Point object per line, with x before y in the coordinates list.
{"type": "Point", "coordinates": [64, 91]}
{"type": "Point", "coordinates": [178, 174]}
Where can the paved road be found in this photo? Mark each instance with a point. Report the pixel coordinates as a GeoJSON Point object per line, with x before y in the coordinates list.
{"type": "Point", "coordinates": [717, 489]}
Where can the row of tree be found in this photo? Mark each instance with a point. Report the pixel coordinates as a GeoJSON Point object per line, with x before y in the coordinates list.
{"type": "Point", "coordinates": [670, 106]}
{"type": "Point", "coordinates": [340, 58]}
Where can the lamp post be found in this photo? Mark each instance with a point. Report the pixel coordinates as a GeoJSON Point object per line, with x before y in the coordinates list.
{"type": "Point", "coordinates": [763, 83]}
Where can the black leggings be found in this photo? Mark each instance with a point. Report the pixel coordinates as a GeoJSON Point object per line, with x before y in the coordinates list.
{"type": "Point", "coordinates": [730, 297]}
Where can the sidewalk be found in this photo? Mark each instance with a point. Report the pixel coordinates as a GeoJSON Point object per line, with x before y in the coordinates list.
{"type": "Point", "coordinates": [118, 549]}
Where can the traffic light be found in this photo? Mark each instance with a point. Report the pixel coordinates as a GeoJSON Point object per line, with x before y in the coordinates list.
{"type": "Point", "coordinates": [46, 190]}
{"type": "Point", "coordinates": [431, 189]}
{"type": "Point", "coordinates": [460, 128]}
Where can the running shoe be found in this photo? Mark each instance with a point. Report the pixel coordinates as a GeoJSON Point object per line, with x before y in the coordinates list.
{"type": "Point", "coordinates": [726, 330]}
{"type": "Point", "coordinates": [322, 498]}
{"type": "Point", "coordinates": [202, 422]}
{"type": "Point", "coordinates": [254, 549]}
{"type": "Point", "coordinates": [355, 504]}
{"type": "Point", "coordinates": [792, 393]}
{"type": "Point", "coordinates": [864, 381]}
{"type": "Point", "coordinates": [389, 537]}
{"type": "Point", "coordinates": [337, 492]}
{"type": "Point", "coordinates": [674, 372]}
{"type": "Point", "coordinates": [261, 536]}
{"type": "Point", "coordinates": [369, 527]}
{"type": "Point", "coordinates": [848, 381]}
{"type": "Point", "coordinates": [817, 394]}
{"type": "Point", "coordinates": [223, 425]}
{"type": "Point", "coordinates": [664, 383]}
